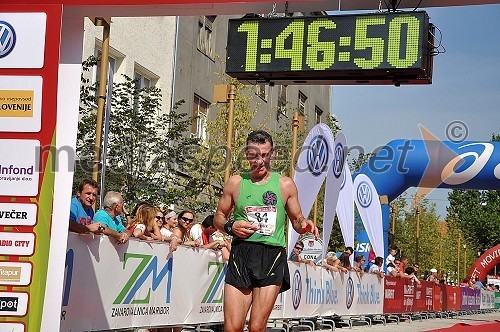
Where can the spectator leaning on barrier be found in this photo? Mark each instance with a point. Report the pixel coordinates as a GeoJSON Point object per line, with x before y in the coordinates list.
{"type": "Point", "coordinates": [182, 231]}
{"type": "Point", "coordinates": [376, 267]}
{"type": "Point", "coordinates": [81, 211]}
{"type": "Point", "coordinates": [393, 269]}
{"type": "Point", "coordinates": [433, 277]}
{"type": "Point", "coordinates": [109, 216]}
{"type": "Point", "coordinates": [410, 274]}
{"type": "Point", "coordinates": [345, 262]}
{"type": "Point", "coordinates": [144, 224]}
{"type": "Point", "coordinates": [331, 262]}
{"type": "Point", "coordinates": [295, 255]}
{"type": "Point", "coordinates": [165, 232]}
{"type": "Point", "coordinates": [359, 262]}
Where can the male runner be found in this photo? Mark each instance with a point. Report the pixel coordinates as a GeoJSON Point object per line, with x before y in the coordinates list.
{"type": "Point", "coordinates": [257, 268]}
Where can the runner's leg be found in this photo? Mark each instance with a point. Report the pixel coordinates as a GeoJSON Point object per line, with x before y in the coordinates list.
{"type": "Point", "coordinates": [263, 303]}
{"type": "Point", "coordinates": [237, 301]}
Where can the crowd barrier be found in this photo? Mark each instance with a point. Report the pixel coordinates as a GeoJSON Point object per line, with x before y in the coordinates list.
{"type": "Point", "coordinates": [142, 284]}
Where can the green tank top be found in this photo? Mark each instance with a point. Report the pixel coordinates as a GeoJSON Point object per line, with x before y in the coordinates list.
{"type": "Point", "coordinates": [262, 204]}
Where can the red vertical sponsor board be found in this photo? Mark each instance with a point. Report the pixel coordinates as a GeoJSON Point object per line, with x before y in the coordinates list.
{"type": "Point", "coordinates": [423, 296]}
{"type": "Point", "coordinates": [29, 60]}
{"type": "Point", "coordinates": [452, 298]}
{"type": "Point", "coordinates": [437, 302]}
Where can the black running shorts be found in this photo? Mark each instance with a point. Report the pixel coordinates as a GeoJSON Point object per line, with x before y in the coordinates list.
{"type": "Point", "coordinates": [253, 264]}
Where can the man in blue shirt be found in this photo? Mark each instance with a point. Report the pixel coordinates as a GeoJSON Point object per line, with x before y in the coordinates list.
{"type": "Point", "coordinates": [82, 211]}
{"type": "Point", "coordinates": [109, 216]}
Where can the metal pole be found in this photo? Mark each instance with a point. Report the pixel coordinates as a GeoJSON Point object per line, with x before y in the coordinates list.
{"type": "Point", "coordinates": [417, 237]}
{"type": "Point", "coordinates": [295, 131]}
{"type": "Point", "coordinates": [101, 98]}
{"type": "Point", "coordinates": [107, 117]}
{"type": "Point", "coordinates": [465, 259]}
{"type": "Point", "coordinates": [458, 259]}
{"type": "Point", "coordinates": [395, 210]}
{"type": "Point", "coordinates": [315, 213]}
{"type": "Point", "coordinates": [229, 138]}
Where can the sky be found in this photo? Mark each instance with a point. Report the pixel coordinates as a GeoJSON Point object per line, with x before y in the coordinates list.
{"type": "Point", "coordinates": [465, 87]}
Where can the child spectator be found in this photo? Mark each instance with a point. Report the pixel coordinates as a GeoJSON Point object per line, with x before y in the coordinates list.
{"type": "Point", "coordinates": [391, 257]}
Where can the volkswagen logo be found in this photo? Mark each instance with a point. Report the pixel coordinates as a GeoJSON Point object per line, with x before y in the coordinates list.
{"type": "Point", "coordinates": [338, 160]}
{"type": "Point", "coordinates": [364, 194]}
{"type": "Point", "coordinates": [317, 155]}
{"type": "Point", "coordinates": [296, 289]}
{"type": "Point", "coordinates": [7, 39]}
{"type": "Point", "coordinates": [349, 293]}
{"type": "Point", "coordinates": [343, 180]}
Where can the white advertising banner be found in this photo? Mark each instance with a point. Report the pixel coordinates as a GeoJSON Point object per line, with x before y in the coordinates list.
{"type": "Point", "coordinates": [312, 166]}
{"type": "Point", "coordinates": [143, 284]}
{"type": "Point", "coordinates": [332, 189]}
{"type": "Point", "coordinates": [487, 299]}
{"type": "Point", "coordinates": [368, 203]}
{"type": "Point", "coordinates": [345, 209]}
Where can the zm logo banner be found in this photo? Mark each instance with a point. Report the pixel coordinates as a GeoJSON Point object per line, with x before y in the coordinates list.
{"type": "Point", "coordinates": [317, 155]}
{"type": "Point", "coordinates": [296, 289]}
{"type": "Point", "coordinates": [216, 284]}
{"type": "Point", "coordinates": [364, 194]}
{"type": "Point", "coordinates": [148, 266]}
{"type": "Point", "coordinates": [7, 39]}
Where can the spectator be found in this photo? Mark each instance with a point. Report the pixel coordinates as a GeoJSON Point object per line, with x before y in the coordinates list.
{"type": "Point", "coordinates": [376, 267]}
{"type": "Point", "coordinates": [345, 262]}
{"type": "Point", "coordinates": [182, 231]}
{"type": "Point", "coordinates": [404, 263]}
{"type": "Point", "coordinates": [331, 262]}
{"type": "Point", "coordinates": [295, 255]}
{"type": "Point", "coordinates": [393, 268]}
{"type": "Point", "coordinates": [203, 232]}
{"type": "Point", "coordinates": [433, 277]}
{"type": "Point", "coordinates": [170, 222]}
{"type": "Point", "coordinates": [410, 274]}
{"type": "Point", "coordinates": [165, 232]}
{"type": "Point", "coordinates": [371, 257]}
{"type": "Point", "coordinates": [392, 256]}
{"type": "Point", "coordinates": [144, 224]}
{"type": "Point", "coordinates": [496, 288]}
{"type": "Point", "coordinates": [109, 216]}
{"type": "Point", "coordinates": [82, 210]}
{"type": "Point", "coordinates": [359, 261]}
{"type": "Point", "coordinates": [130, 216]}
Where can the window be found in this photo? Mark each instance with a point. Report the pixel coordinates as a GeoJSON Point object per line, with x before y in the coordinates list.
{"type": "Point", "coordinates": [261, 91]}
{"type": "Point", "coordinates": [318, 113]}
{"type": "Point", "coordinates": [205, 35]}
{"type": "Point", "coordinates": [200, 112]}
{"type": "Point", "coordinates": [142, 81]}
{"type": "Point", "coordinates": [302, 104]}
{"type": "Point", "coordinates": [281, 111]}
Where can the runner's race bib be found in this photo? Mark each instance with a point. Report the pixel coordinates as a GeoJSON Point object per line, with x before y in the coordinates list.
{"type": "Point", "coordinates": [264, 217]}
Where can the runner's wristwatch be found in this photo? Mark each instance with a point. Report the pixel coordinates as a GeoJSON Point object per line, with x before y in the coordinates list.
{"type": "Point", "coordinates": [228, 227]}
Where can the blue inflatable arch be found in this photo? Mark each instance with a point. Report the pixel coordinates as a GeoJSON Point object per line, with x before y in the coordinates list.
{"type": "Point", "coordinates": [402, 164]}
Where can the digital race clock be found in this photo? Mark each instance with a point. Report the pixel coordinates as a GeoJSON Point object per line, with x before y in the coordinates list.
{"type": "Point", "coordinates": [382, 48]}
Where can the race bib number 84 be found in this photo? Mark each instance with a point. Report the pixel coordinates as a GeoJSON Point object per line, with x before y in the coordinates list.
{"type": "Point", "coordinates": [264, 217]}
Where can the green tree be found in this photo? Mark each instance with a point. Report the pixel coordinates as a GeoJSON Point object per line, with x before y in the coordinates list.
{"type": "Point", "coordinates": [145, 144]}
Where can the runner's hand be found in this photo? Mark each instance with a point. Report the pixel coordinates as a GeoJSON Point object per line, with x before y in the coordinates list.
{"type": "Point", "coordinates": [307, 226]}
{"type": "Point", "coordinates": [244, 229]}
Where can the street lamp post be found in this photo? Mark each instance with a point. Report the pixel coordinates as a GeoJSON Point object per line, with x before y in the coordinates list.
{"type": "Point", "coordinates": [417, 237]}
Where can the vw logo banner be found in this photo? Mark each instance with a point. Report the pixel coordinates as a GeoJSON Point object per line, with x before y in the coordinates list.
{"type": "Point", "coordinates": [368, 203]}
{"type": "Point", "coordinates": [315, 159]}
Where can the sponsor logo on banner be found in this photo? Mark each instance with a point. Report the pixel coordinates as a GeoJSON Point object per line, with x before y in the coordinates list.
{"type": "Point", "coordinates": [215, 293]}
{"type": "Point", "coordinates": [362, 247]}
{"type": "Point", "coordinates": [15, 273]}
{"type": "Point", "coordinates": [12, 327]}
{"type": "Point", "coordinates": [317, 155]}
{"type": "Point", "coordinates": [18, 171]}
{"type": "Point", "coordinates": [338, 161]}
{"type": "Point", "coordinates": [147, 267]}
{"type": "Point", "coordinates": [344, 174]}
{"type": "Point", "coordinates": [349, 292]}
{"type": "Point", "coordinates": [296, 289]}
{"type": "Point", "coordinates": [18, 214]}
{"type": "Point", "coordinates": [13, 304]}
{"type": "Point", "coordinates": [16, 103]}
{"type": "Point", "coordinates": [22, 40]}
{"type": "Point", "coordinates": [364, 194]}
{"type": "Point", "coordinates": [7, 39]}
{"type": "Point", "coordinates": [20, 244]}
{"type": "Point", "coordinates": [368, 294]}
{"type": "Point", "coordinates": [20, 103]}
